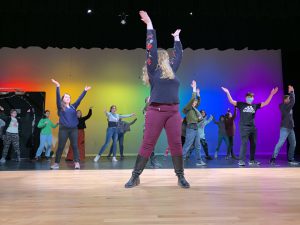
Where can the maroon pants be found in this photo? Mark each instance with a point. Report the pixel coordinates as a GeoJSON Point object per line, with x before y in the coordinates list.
{"type": "Point", "coordinates": [159, 116]}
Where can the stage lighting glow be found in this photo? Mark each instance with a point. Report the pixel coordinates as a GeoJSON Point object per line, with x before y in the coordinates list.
{"type": "Point", "coordinates": [89, 11]}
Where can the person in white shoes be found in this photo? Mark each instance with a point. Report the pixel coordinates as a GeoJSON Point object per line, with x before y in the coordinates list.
{"type": "Point", "coordinates": [112, 131]}
{"type": "Point", "coordinates": [68, 122]}
{"type": "Point", "coordinates": [247, 126]}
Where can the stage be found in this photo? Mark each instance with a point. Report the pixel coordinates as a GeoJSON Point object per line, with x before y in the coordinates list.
{"type": "Point", "coordinates": [217, 196]}
{"type": "Point", "coordinates": [166, 163]}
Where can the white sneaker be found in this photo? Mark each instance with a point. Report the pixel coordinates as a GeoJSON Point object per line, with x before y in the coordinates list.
{"type": "Point", "coordinates": [2, 160]}
{"type": "Point", "coordinates": [114, 159]}
{"type": "Point", "coordinates": [96, 158]}
{"type": "Point", "coordinates": [55, 166]}
{"type": "Point", "coordinates": [77, 165]}
{"type": "Point", "coordinates": [216, 155]}
{"type": "Point", "coordinates": [201, 163]}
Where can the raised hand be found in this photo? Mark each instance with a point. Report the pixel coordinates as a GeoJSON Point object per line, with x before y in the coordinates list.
{"type": "Point", "coordinates": [198, 91]}
{"type": "Point", "coordinates": [55, 82]}
{"type": "Point", "coordinates": [144, 17]}
{"type": "Point", "coordinates": [274, 91]}
{"type": "Point", "coordinates": [176, 33]}
{"type": "Point", "coordinates": [291, 89]}
{"type": "Point", "coordinates": [225, 90]}
{"type": "Point", "coordinates": [87, 88]}
{"type": "Point", "coordinates": [193, 84]}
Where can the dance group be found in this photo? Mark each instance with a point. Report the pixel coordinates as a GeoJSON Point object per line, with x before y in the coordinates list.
{"type": "Point", "coordinates": [161, 111]}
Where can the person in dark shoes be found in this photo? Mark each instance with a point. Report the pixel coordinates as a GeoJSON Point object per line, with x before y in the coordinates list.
{"type": "Point", "coordinates": [203, 141]}
{"type": "Point", "coordinates": [163, 110]}
{"type": "Point", "coordinates": [287, 128]}
{"type": "Point", "coordinates": [248, 130]}
{"type": "Point", "coordinates": [222, 136]}
{"type": "Point", "coordinates": [11, 132]}
{"type": "Point", "coordinates": [230, 131]}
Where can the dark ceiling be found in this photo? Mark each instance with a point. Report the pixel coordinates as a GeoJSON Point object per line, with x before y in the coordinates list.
{"type": "Point", "coordinates": [223, 24]}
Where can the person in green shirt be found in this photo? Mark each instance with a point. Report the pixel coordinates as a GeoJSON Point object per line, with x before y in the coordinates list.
{"type": "Point", "coordinates": [46, 126]}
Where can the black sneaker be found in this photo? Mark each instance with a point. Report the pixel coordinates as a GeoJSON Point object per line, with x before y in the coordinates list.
{"type": "Point", "coordinates": [272, 161]}
{"type": "Point", "coordinates": [208, 157]}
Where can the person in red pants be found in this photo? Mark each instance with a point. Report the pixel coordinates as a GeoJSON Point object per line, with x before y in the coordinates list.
{"type": "Point", "coordinates": [81, 136]}
{"type": "Point", "coordinates": [163, 110]}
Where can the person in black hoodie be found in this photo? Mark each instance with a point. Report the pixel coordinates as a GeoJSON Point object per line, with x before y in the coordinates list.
{"type": "Point", "coordinates": [11, 133]}
{"type": "Point", "coordinates": [287, 127]}
{"type": "Point", "coordinates": [81, 136]}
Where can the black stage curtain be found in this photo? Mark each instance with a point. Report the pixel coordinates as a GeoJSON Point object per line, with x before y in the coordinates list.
{"type": "Point", "coordinates": [223, 24]}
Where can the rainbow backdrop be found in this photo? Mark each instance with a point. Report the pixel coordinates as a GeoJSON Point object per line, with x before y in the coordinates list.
{"type": "Point", "coordinates": [114, 77]}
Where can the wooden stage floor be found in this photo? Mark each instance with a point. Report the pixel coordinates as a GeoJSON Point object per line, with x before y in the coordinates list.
{"type": "Point", "coordinates": [245, 196]}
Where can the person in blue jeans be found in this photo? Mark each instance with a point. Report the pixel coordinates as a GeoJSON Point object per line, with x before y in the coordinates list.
{"type": "Point", "coordinates": [112, 131]}
{"type": "Point", "coordinates": [193, 118]}
{"type": "Point", "coordinates": [46, 125]}
{"type": "Point", "coordinates": [287, 127]}
{"type": "Point", "coordinates": [222, 136]}
{"type": "Point", "coordinates": [123, 127]}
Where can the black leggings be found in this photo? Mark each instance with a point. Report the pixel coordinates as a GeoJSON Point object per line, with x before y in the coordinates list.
{"type": "Point", "coordinates": [64, 134]}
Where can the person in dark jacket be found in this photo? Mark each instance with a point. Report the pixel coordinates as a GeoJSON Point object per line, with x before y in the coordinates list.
{"type": "Point", "coordinates": [287, 127]}
{"type": "Point", "coordinates": [222, 136]}
{"type": "Point", "coordinates": [81, 136]}
{"type": "Point", "coordinates": [68, 122]}
{"type": "Point", "coordinates": [230, 131]}
{"type": "Point", "coordinates": [163, 110]}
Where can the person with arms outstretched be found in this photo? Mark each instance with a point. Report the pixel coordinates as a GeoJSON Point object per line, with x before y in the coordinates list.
{"type": "Point", "coordinates": [68, 122]}
{"type": "Point", "coordinates": [163, 110]}
{"type": "Point", "coordinates": [287, 127]}
{"type": "Point", "coordinates": [247, 126]}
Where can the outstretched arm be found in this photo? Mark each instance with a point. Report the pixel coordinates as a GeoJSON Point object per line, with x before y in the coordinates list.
{"type": "Point", "coordinates": [189, 106]}
{"type": "Point", "coordinates": [151, 44]}
{"type": "Point", "coordinates": [132, 122]}
{"type": "Point", "coordinates": [198, 97]}
{"type": "Point", "coordinates": [268, 100]}
{"type": "Point", "coordinates": [127, 115]}
{"type": "Point", "coordinates": [76, 104]}
{"type": "Point", "coordinates": [58, 100]}
{"type": "Point", "coordinates": [233, 102]}
{"type": "Point", "coordinates": [292, 97]}
{"type": "Point", "coordinates": [177, 51]}
{"type": "Point", "coordinates": [88, 115]}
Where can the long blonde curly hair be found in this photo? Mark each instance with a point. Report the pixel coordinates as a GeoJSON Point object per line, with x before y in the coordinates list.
{"type": "Point", "coordinates": [163, 64]}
